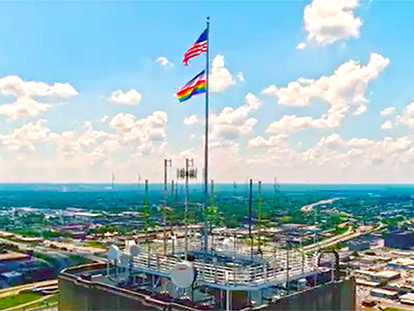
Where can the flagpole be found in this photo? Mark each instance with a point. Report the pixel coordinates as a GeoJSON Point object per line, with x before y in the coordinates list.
{"type": "Point", "coordinates": [206, 136]}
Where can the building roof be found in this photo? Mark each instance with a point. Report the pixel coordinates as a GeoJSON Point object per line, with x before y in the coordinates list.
{"type": "Point", "coordinates": [11, 274]}
{"type": "Point", "coordinates": [408, 296]}
{"type": "Point", "coordinates": [366, 283]}
{"type": "Point", "coordinates": [386, 274]}
{"type": "Point", "coordinates": [384, 292]}
{"type": "Point", "coordinates": [12, 256]}
{"type": "Point", "coordinates": [402, 262]}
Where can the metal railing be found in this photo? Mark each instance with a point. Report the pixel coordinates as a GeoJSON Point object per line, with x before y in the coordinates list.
{"type": "Point", "coordinates": [254, 274]}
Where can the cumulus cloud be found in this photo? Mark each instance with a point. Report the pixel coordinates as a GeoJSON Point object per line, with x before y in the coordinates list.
{"type": "Point", "coordinates": [328, 21]}
{"type": "Point", "coordinates": [146, 131]}
{"type": "Point", "coordinates": [232, 123]}
{"type": "Point", "coordinates": [387, 111]}
{"type": "Point", "coordinates": [220, 77]}
{"type": "Point", "coordinates": [23, 107]}
{"type": "Point", "coordinates": [301, 46]}
{"type": "Point", "coordinates": [163, 61]}
{"type": "Point", "coordinates": [360, 110]}
{"type": "Point", "coordinates": [131, 97]}
{"type": "Point", "coordinates": [191, 120]}
{"type": "Point", "coordinates": [24, 137]}
{"type": "Point", "coordinates": [13, 85]}
{"type": "Point", "coordinates": [387, 125]}
{"type": "Point", "coordinates": [347, 86]}
{"type": "Point", "coordinates": [260, 141]}
{"type": "Point", "coordinates": [240, 77]}
{"type": "Point", "coordinates": [104, 118]}
{"type": "Point", "coordinates": [407, 116]}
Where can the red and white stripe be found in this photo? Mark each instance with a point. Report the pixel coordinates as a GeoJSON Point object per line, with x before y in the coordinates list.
{"type": "Point", "coordinates": [195, 50]}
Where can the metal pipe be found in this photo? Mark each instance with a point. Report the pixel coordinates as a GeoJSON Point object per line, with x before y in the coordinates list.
{"type": "Point", "coordinates": [187, 165]}
{"type": "Point", "coordinates": [259, 216]}
{"type": "Point", "coordinates": [206, 133]}
{"type": "Point", "coordinates": [250, 217]}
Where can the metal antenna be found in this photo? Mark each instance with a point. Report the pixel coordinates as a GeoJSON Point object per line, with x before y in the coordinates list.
{"type": "Point", "coordinates": [113, 186]}
{"type": "Point", "coordinates": [250, 217]}
{"type": "Point", "coordinates": [287, 263]}
{"type": "Point", "coordinates": [259, 216]}
{"type": "Point", "coordinates": [147, 217]}
{"type": "Point", "coordinates": [167, 164]}
{"type": "Point", "coordinates": [187, 173]}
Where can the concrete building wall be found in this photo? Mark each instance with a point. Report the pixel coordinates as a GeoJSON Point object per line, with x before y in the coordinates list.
{"type": "Point", "coordinates": [399, 239]}
{"type": "Point", "coordinates": [81, 294]}
{"type": "Point", "coordinates": [334, 296]}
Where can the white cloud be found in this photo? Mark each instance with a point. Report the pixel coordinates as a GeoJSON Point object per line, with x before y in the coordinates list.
{"type": "Point", "coordinates": [132, 97]}
{"type": "Point", "coordinates": [24, 137]}
{"type": "Point", "coordinates": [220, 77]}
{"type": "Point", "coordinates": [191, 120]}
{"type": "Point", "coordinates": [387, 111]}
{"type": "Point", "coordinates": [387, 125]}
{"type": "Point", "coordinates": [301, 46]}
{"type": "Point", "coordinates": [240, 77]}
{"type": "Point", "coordinates": [104, 118]}
{"type": "Point", "coordinates": [13, 85]}
{"type": "Point", "coordinates": [163, 61]}
{"type": "Point", "coordinates": [146, 131]}
{"type": "Point", "coordinates": [23, 107]}
{"type": "Point", "coordinates": [347, 86]}
{"type": "Point", "coordinates": [360, 110]}
{"type": "Point", "coordinates": [230, 123]}
{"type": "Point", "coordinates": [407, 116]}
{"type": "Point", "coordinates": [259, 141]}
{"type": "Point", "coordinates": [328, 21]}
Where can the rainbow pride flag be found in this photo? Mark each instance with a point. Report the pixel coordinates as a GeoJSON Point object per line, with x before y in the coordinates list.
{"type": "Point", "coordinates": [197, 85]}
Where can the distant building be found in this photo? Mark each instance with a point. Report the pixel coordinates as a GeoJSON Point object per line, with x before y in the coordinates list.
{"type": "Point", "coordinates": [400, 239]}
{"type": "Point", "coordinates": [358, 245]}
{"type": "Point", "coordinates": [383, 293]}
{"type": "Point", "coordinates": [386, 276]}
{"type": "Point", "coordinates": [12, 278]}
{"type": "Point", "coordinates": [401, 263]}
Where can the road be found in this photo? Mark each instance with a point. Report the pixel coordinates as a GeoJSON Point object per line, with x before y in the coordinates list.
{"type": "Point", "coordinates": [10, 291]}
{"type": "Point", "coordinates": [309, 207]}
{"type": "Point", "coordinates": [48, 250]}
{"type": "Point", "coordinates": [348, 235]}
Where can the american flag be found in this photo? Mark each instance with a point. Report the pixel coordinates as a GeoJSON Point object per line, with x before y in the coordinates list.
{"type": "Point", "coordinates": [197, 48]}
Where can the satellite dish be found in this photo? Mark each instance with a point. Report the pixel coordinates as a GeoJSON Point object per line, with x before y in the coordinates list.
{"type": "Point", "coordinates": [134, 250]}
{"type": "Point", "coordinates": [113, 252]}
{"type": "Point", "coordinates": [228, 244]}
{"type": "Point", "coordinates": [183, 274]}
{"type": "Point", "coordinates": [124, 259]}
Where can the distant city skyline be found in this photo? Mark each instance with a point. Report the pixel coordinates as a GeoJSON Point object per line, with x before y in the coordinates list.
{"type": "Point", "coordinates": [314, 91]}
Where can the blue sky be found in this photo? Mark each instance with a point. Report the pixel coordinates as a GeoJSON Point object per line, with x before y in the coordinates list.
{"type": "Point", "coordinates": [355, 55]}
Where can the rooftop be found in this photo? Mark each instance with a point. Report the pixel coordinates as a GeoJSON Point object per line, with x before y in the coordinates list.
{"type": "Point", "coordinates": [13, 256]}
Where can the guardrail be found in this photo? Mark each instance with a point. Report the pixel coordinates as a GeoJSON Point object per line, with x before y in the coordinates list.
{"type": "Point", "coordinates": [272, 271]}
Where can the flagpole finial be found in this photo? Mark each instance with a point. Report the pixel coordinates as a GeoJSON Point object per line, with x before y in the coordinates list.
{"type": "Point", "coordinates": [208, 18]}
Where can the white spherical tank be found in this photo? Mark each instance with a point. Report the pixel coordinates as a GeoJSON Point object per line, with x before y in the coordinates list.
{"type": "Point", "coordinates": [183, 274]}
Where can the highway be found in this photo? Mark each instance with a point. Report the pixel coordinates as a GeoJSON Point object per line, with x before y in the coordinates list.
{"type": "Point", "coordinates": [10, 291]}
{"type": "Point", "coordinates": [348, 235]}
{"type": "Point", "coordinates": [48, 250]}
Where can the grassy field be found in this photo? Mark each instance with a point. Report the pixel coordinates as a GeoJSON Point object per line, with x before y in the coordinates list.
{"type": "Point", "coordinates": [95, 244]}
{"type": "Point", "coordinates": [48, 302]}
{"type": "Point", "coordinates": [16, 300]}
